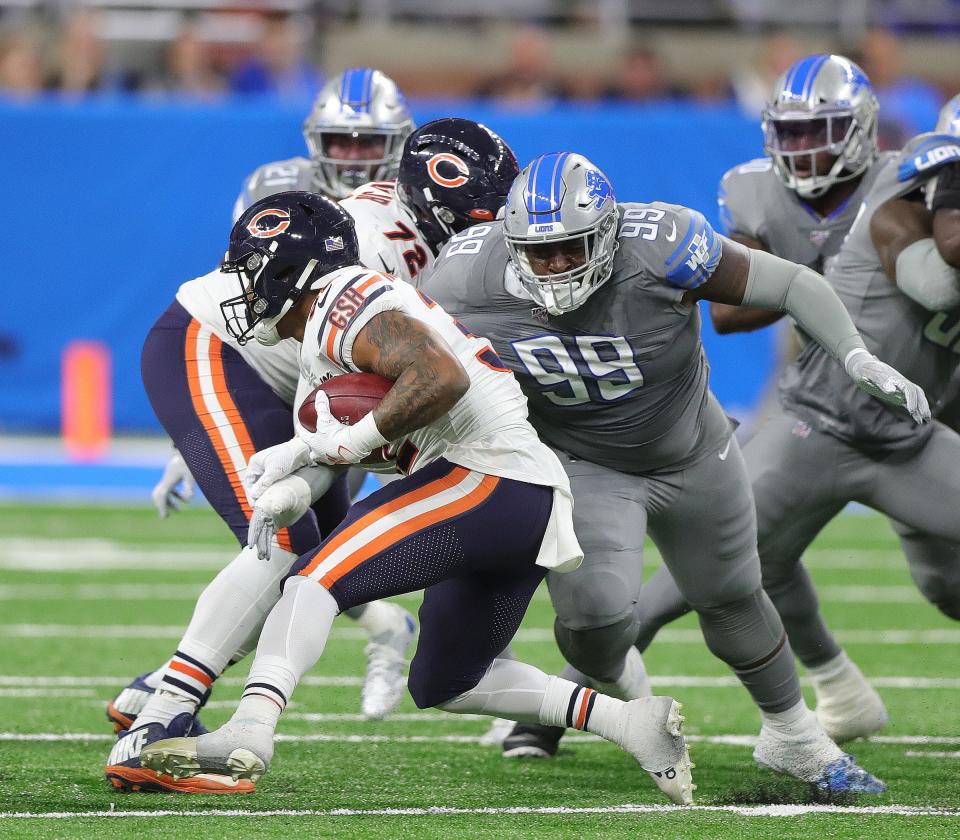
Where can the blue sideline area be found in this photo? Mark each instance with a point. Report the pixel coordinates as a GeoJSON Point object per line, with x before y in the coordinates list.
{"type": "Point", "coordinates": [111, 204]}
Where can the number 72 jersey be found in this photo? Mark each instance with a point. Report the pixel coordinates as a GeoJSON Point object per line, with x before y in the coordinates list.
{"type": "Point", "coordinates": [622, 380]}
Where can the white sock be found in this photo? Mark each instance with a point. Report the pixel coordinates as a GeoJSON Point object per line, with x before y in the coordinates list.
{"type": "Point", "coordinates": [258, 709]}
{"type": "Point", "coordinates": [379, 618]}
{"type": "Point", "coordinates": [163, 707]}
{"type": "Point", "coordinates": [293, 638]}
{"type": "Point", "coordinates": [829, 670]}
{"type": "Point", "coordinates": [576, 707]}
{"type": "Point", "coordinates": [797, 721]}
{"type": "Point", "coordinates": [510, 689]}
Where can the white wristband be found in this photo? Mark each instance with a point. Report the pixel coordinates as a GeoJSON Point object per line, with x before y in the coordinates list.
{"type": "Point", "coordinates": [364, 436]}
{"type": "Point", "coordinates": [851, 355]}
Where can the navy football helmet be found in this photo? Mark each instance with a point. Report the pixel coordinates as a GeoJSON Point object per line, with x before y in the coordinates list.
{"type": "Point", "coordinates": [279, 246]}
{"type": "Point", "coordinates": [454, 173]}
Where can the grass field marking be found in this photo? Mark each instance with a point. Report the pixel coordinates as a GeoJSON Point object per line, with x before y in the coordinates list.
{"type": "Point", "coordinates": [317, 737]}
{"type": "Point", "coordinates": [740, 810]}
{"type": "Point", "coordinates": [892, 594]}
{"type": "Point", "coordinates": [891, 636]}
{"type": "Point", "coordinates": [85, 554]}
{"type": "Point", "coordinates": [932, 754]}
{"type": "Point", "coordinates": [326, 680]}
{"type": "Point", "coordinates": [47, 692]}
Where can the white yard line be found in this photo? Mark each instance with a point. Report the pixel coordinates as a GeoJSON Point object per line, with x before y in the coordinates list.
{"type": "Point", "coordinates": [540, 635]}
{"type": "Point", "coordinates": [53, 555]}
{"type": "Point", "coordinates": [931, 754]}
{"type": "Point", "coordinates": [347, 738]}
{"type": "Point", "coordinates": [317, 680]}
{"type": "Point", "coordinates": [893, 594]}
{"type": "Point", "coordinates": [738, 810]}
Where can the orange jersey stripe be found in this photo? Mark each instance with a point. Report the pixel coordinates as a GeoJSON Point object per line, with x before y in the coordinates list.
{"type": "Point", "coordinates": [410, 527]}
{"type": "Point", "coordinates": [194, 673]}
{"type": "Point", "coordinates": [229, 408]}
{"type": "Point", "coordinates": [453, 478]}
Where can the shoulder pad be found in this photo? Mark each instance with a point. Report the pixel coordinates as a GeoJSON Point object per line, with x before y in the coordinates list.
{"type": "Point", "coordinates": [925, 154]}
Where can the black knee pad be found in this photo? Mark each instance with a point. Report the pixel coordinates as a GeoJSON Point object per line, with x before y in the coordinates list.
{"type": "Point", "coordinates": [948, 604]}
{"type": "Point", "coordinates": [597, 651]}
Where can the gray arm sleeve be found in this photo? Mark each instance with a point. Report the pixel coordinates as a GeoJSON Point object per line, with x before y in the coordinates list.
{"type": "Point", "coordinates": [924, 276]}
{"type": "Point", "coordinates": [774, 283]}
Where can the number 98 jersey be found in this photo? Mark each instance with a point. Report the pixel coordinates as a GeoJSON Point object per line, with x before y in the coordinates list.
{"type": "Point", "coordinates": [622, 380]}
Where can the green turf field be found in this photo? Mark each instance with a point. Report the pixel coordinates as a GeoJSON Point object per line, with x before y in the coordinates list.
{"type": "Point", "coordinates": [91, 597]}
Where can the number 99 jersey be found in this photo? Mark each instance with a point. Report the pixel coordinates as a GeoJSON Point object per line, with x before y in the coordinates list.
{"type": "Point", "coordinates": [622, 380]}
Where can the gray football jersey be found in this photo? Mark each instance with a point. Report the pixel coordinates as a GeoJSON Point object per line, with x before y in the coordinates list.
{"type": "Point", "coordinates": [922, 345]}
{"type": "Point", "coordinates": [278, 176]}
{"type": "Point", "coordinates": [622, 381]}
{"type": "Point", "coordinates": [754, 202]}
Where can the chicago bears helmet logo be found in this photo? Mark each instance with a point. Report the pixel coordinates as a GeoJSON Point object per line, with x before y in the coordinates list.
{"type": "Point", "coordinates": [598, 187]}
{"type": "Point", "coordinates": [453, 165]}
{"type": "Point", "coordinates": [255, 229]}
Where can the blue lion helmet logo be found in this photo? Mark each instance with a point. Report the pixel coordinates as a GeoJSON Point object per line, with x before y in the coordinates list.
{"type": "Point", "coordinates": [598, 187]}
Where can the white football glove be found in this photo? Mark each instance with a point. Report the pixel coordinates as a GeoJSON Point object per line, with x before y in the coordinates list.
{"type": "Point", "coordinates": [887, 384]}
{"type": "Point", "coordinates": [336, 443]}
{"type": "Point", "coordinates": [166, 494]}
{"type": "Point", "coordinates": [268, 466]}
{"type": "Point", "coordinates": [284, 503]}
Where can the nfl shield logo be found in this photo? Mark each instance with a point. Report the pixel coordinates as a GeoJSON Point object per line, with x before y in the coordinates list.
{"type": "Point", "coordinates": [818, 237]}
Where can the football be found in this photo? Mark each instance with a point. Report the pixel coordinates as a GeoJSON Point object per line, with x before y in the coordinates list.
{"type": "Point", "coordinates": [352, 397]}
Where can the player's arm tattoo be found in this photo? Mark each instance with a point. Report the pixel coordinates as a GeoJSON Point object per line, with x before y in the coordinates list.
{"type": "Point", "coordinates": [728, 318]}
{"type": "Point", "coordinates": [895, 225]}
{"type": "Point", "coordinates": [428, 377]}
{"type": "Point", "coordinates": [729, 279]}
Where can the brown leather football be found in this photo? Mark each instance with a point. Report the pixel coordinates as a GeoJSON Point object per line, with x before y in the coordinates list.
{"type": "Point", "coordinates": [352, 397]}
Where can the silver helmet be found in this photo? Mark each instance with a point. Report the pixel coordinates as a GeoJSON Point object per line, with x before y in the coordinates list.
{"type": "Point", "coordinates": [949, 119]}
{"type": "Point", "coordinates": [561, 209]}
{"type": "Point", "coordinates": [822, 104]}
{"type": "Point", "coordinates": [364, 110]}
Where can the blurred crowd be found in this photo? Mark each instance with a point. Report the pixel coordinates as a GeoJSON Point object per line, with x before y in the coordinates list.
{"type": "Point", "coordinates": [72, 58]}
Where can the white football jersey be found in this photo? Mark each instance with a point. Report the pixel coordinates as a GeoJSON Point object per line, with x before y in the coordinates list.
{"type": "Point", "coordinates": [389, 238]}
{"type": "Point", "coordinates": [487, 430]}
{"type": "Point", "coordinates": [278, 366]}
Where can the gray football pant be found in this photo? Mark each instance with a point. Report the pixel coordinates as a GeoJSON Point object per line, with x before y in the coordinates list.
{"type": "Point", "coordinates": [702, 519]}
{"type": "Point", "coordinates": [801, 480]}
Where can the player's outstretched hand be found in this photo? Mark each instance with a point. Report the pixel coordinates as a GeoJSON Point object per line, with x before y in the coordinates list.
{"type": "Point", "coordinates": [887, 384]}
{"type": "Point", "coordinates": [278, 507]}
{"type": "Point", "coordinates": [268, 466]}
{"type": "Point", "coordinates": [175, 486]}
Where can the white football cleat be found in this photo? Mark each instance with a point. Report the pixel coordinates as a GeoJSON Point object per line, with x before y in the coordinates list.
{"type": "Point", "coordinates": [632, 684]}
{"type": "Point", "coordinates": [386, 653]}
{"type": "Point", "coordinates": [499, 729]}
{"type": "Point", "coordinates": [238, 749]}
{"type": "Point", "coordinates": [810, 756]}
{"type": "Point", "coordinates": [651, 733]}
{"type": "Point", "coordinates": [848, 706]}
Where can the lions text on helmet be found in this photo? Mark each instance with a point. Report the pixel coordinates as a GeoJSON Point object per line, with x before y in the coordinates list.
{"type": "Point", "coordinates": [561, 229]}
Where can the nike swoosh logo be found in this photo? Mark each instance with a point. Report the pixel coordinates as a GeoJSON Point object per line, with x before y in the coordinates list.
{"type": "Point", "coordinates": [725, 451]}
{"type": "Point", "coordinates": [386, 267]}
{"type": "Point", "coordinates": [673, 233]}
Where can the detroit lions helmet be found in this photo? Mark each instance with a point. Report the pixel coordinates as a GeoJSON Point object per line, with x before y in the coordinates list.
{"type": "Point", "coordinates": [824, 104]}
{"type": "Point", "coordinates": [454, 173]}
{"type": "Point", "coordinates": [561, 203]}
{"type": "Point", "coordinates": [279, 246]}
{"type": "Point", "coordinates": [949, 120]}
{"type": "Point", "coordinates": [364, 110]}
